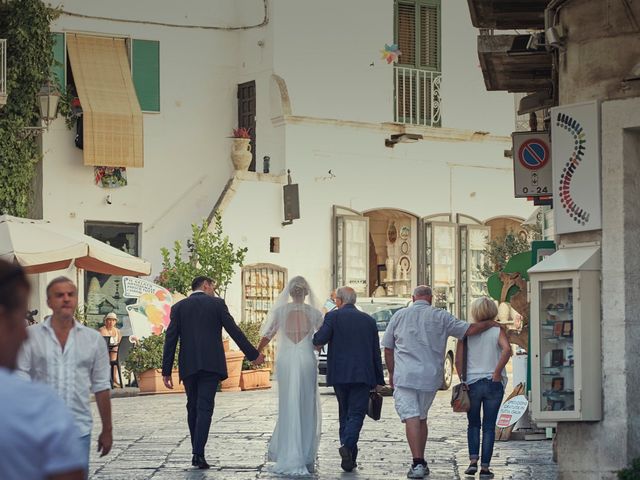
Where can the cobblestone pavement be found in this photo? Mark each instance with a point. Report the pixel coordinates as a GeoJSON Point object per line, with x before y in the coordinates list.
{"type": "Point", "coordinates": [152, 442]}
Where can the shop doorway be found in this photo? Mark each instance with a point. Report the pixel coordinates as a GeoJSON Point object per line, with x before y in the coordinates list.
{"type": "Point", "coordinates": [387, 252]}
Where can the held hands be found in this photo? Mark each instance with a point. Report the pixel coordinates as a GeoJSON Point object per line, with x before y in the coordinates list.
{"type": "Point", "coordinates": [259, 360]}
{"type": "Point", "coordinates": [105, 441]}
{"type": "Point", "coordinates": [168, 382]}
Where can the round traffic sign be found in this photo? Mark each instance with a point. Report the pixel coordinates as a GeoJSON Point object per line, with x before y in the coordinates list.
{"type": "Point", "coordinates": [533, 154]}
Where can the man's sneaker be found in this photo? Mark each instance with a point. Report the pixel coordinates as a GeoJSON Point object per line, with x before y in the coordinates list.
{"type": "Point", "coordinates": [419, 471]}
{"type": "Point", "coordinates": [347, 463]}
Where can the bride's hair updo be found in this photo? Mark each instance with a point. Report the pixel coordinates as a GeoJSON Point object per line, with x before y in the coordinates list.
{"type": "Point", "coordinates": [298, 287]}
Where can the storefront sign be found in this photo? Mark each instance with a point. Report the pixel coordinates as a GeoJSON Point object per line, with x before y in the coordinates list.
{"type": "Point", "coordinates": [575, 130]}
{"type": "Point", "coordinates": [532, 164]}
{"type": "Point", "coordinates": [511, 411]}
{"type": "Point", "coordinates": [150, 315]}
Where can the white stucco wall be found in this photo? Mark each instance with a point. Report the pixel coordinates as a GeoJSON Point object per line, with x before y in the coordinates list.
{"type": "Point", "coordinates": [423, 178]}
{"type": "Point", "coordinates": [322, 51]}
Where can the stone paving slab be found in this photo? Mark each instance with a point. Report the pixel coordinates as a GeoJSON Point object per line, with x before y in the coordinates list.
{"type": "Point", "coordinates": [152, 442]}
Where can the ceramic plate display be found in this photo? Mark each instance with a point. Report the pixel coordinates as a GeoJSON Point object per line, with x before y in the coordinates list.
{"type": "Point", "coordinates": [392, 233]}
{"type": "Point", "coordinates": [405, 263]}
{"type": "Point", "coordinates": [404, 248]}
{"type": "Point", "coordinates": [404, 232]}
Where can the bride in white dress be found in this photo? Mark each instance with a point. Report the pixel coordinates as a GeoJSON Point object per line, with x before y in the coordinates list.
{"type": "Point", "coordinates": [292, 322]}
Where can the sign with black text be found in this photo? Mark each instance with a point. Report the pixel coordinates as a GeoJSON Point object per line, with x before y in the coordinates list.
{"type": "Point", "coordinates": [532, 164]}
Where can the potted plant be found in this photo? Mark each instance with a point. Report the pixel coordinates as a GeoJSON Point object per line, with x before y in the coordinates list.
{"type": "Point", "coordinates": [241, 155]}
{"type": "Point", "coordinates": [145, 361]}
{"type": "Point", "coordinates": [211, 254]}
{"type": "Point", "coordinates": [253, 378]}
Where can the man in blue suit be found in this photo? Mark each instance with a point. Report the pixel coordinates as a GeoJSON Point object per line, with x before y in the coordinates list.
{"type": "Point", "coordinates": [354, 367]}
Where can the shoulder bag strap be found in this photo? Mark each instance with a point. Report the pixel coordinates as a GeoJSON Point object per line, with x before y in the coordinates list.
{"type": "Point", "coordinates": [464, 359]}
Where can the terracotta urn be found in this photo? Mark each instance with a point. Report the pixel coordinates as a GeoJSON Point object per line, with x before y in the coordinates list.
{"type": "Point", "coordinates": [241, 153]}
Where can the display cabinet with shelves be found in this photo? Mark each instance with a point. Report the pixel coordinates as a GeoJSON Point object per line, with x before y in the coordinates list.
{"type": "Point", "coordinates": [565, 336]}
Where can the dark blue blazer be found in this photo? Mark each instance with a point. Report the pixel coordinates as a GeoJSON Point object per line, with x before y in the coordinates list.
{"type": "Point", "coordinates": [197, 322]}
{"type": "Point", "coordinates": [354, 347]}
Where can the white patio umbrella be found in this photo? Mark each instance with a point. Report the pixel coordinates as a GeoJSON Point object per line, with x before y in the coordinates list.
{"type": "Point", "coordinates": [41, 246]}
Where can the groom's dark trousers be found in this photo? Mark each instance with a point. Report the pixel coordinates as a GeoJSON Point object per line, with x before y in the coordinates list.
{"type": "Point", "coordinates": [201, 390]}
{"type": "Point", "coordinates": [354, 366]}
{"type": "Point", "coordinates": [197, 322]}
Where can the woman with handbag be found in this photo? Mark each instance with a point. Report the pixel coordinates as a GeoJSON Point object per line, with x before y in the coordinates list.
{"type": "Point", "coordinates": [486, 357]}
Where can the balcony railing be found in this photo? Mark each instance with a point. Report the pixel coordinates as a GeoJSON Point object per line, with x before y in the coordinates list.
{"type": "Point", "coordinates": [417, 96]}
{"type": "Point", "coordinates": [3, 71]}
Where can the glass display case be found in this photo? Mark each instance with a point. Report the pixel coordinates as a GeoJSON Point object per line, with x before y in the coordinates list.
{"type": "Point", "coordinates": [565, 336]}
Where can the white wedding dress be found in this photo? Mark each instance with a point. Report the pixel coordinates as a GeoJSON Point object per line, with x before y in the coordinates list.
{"type": "Point", "coordinates": [294, 444]}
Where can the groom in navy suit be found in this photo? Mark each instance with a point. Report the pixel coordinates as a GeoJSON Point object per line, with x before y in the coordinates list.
{"type": "Point", "coordinates": [354, 367]}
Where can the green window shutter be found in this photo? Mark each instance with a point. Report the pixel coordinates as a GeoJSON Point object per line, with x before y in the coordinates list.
{"type": "Point", "coordinates": [406, 33]}
{"type": "Point", "coordinates": [146, 73]}
{"type": "Point", "coordinates": [430, 37]}
{"type": "Point", "coordinates": [59, 67]}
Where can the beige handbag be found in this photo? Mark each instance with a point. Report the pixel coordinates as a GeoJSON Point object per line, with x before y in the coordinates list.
{"type": "Point", "coordinates": [460, 401]}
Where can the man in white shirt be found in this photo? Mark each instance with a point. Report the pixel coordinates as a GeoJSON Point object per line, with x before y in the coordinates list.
{"type": "Point", "coordinates": [414, 345]}
{"type": "Point", "coordinates": [38, 439]}
{"type": "Point", "coordinates": [73, 359]}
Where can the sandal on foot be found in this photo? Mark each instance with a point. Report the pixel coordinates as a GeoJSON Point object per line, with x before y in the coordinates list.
{"type": "Point", "coordinates": [472, 470]}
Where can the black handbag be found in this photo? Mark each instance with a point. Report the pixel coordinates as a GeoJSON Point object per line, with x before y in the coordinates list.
{"type": "Point", "coordinates": [375, 406]}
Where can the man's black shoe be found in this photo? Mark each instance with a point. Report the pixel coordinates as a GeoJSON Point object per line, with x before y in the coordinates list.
{"type": "Point", "coordinates": [193, 460]}
{"type": "Point", "coordinates": [200, 462]}
{"type": "Point", "coordinates": [347, 463]}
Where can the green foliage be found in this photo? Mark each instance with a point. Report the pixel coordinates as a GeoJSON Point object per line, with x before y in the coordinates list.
{"type": "Point", "coordinates": [631, 473]}
{"type": "Point", "coordinates": [25, 25]}
{"type": "Point", "coordinates": [251, 330]}
{"type": "Point", "coordinates": [147, 355]}
{"type": "Point", "coordinates": [500, 250]}
{"type": "Point", "coordinates": [209, 253]}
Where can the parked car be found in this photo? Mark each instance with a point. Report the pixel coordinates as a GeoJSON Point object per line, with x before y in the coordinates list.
{"type": "Point", "coordinates": [382, 309]}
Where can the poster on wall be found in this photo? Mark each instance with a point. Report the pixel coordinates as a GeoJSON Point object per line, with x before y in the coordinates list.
{"type": "Point", "coordinates": [575, 136]}
{"type": "Point", "coordinates": [150, 314]}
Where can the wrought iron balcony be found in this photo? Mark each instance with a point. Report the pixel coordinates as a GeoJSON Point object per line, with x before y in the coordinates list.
{"type": "Point", "coordinates": [417, 96]}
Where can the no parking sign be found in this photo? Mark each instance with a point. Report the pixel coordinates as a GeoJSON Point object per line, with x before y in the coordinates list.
{"type": "Point", "coordinates": [532, 164]}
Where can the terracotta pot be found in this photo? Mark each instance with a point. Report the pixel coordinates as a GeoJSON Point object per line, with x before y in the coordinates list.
{"type": "Point", "coordinates": [234, 368]}
{"type": "Point", "coordinates": [151, 382]}
{"type": "Point", "coordinates": [255, 379]}
{"type": "Point", "coordinates": [241, 155]}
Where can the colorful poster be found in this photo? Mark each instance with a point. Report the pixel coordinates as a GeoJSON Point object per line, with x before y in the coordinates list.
{"type": "Point", "coordinates": [575, 146]}
{"type": "Point", "coordinates": [150, 314]}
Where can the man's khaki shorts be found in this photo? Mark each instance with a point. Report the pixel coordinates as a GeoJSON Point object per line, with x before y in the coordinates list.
{"type": "Point", "coordinates": [412, 403]}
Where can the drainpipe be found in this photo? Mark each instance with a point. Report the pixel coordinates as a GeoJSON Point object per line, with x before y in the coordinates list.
{"type": "Point", "coordinates": [551, 14]}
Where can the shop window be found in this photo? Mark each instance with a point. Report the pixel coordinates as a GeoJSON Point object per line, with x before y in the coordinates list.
{"type": "Point", "coordinates": [103, 293]}
{"type": "Point", "coordinates": [261, 285]}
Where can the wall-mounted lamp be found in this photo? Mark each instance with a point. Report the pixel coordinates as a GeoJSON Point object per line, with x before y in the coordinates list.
{"type": "Point", "coordinates": [401, 138]}
{"type": "Point", "coordinates": [48, 98]}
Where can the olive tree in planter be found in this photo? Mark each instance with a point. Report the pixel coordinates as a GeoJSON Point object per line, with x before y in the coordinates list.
{"type": "Point", "coordinates": [209, 253]}
{"type": "Point", "coordinates": [253, 378]}
{"type": "Point", "coordinates": [145, 361]}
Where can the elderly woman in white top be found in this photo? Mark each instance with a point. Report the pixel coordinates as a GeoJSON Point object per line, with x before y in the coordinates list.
{"type": "Point", "coordinates": [487, 355]}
